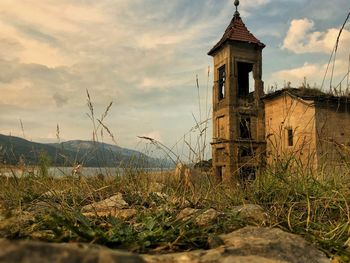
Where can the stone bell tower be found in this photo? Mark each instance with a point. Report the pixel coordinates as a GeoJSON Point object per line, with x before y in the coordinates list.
{"type": "Point", "coordinates": [238, 145]}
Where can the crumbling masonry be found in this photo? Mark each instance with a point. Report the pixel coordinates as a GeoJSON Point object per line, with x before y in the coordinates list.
{"type": "Point", "coordinates": [251, 129]}
{"type": "Point", "coordinates": [238, 112]}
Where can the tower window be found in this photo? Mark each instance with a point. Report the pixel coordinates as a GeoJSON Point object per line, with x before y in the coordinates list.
{"type": "Point", "coordinates": [247, 174]}
{"type": "Point", "coordinates": [290, 137]}
{"type": "Point", "coordinates": [219, 172]}
{"type": "Point", "coordinates": [244, 72]}
{"type": "Point", "coordinates": [246, 152]}
{"type": "Point", "coordinates": [245, 128]}
{"type": "Point", "coordinates": [222, 82]}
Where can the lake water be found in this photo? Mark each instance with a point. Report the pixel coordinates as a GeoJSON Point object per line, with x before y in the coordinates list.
{"type": "Point", "coordinates": [91, 171]}
{"type": "Point", "coordinates": [85, 171]}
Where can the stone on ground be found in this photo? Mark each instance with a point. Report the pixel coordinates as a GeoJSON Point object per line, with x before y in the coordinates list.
{"type": "Point", "coordinates": [33, 252]}
{"type": "Point", "coordinates": [123, 214]}
{"type": "Point", "coordinates": [113, 203]}
{"type": "Point", "coordinates": [186, 214]}
{"type": "Point", "coordinates": [201, 218]}
{"type": "Point", "coordinates": [251, 212]}
{"type": "Point", "coordinates": [207, 217]}
{"type": "Point", "coordinates": [272, 243]}
{"type": "Point", "coordinates": [250, 244]}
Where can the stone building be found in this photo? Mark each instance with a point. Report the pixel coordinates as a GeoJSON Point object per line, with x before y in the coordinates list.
{"type": "Point", "coordinates": [238, 111]}
{"type": "Point", "coordinates": [251, 128]}
{"type": "Point", "coordinates": [308, 126]}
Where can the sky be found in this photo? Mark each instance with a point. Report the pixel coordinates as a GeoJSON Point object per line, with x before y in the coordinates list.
{"type": "Point", "coordinates": [144, 56]}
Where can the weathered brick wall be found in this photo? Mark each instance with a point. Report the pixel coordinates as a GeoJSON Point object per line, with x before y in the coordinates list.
{"type": "Point", "coordinates": [227, 111]}
{"type": "Point", "coordinates": [333, 135]}
{"type": "Point", "coordinates": [221, 116]}
{"type": "Point", "coordinates": [288, 112]}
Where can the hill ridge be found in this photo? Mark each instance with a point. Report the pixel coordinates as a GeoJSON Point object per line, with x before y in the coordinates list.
{"type": "Point", "coordinates": [14, 150]}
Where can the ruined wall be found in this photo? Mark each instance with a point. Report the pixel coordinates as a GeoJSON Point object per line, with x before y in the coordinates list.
{"type": "Point", "coordinates": [248, 153]}
{"type": "Point", "coordinates": [333, 134]}
{"type": "Point", "coordinates": [287, 115]}
{"type": "Point", "coordinates": [228, 110]}
{"type": "Point", "coordinates": [221, 148]}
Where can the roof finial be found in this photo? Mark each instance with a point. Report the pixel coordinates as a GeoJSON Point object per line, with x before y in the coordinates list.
{"type": "Point", "coordinates": [236, 4]}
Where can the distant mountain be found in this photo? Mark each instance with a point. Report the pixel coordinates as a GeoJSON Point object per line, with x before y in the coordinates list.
{"type": "Point", "coordinates": [14, 149]}
{"type": "Point", "coordinates": [92, 154]}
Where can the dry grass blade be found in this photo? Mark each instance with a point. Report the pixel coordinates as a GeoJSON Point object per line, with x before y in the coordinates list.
{"type": "Point", "coordinates": [104, 115]}
{"type": "Point", "coordinates": [162, 147]}
{"type": "Point", "coordinates": [108, 131]}
{"type": "Point", "coordinates": [90, 106]}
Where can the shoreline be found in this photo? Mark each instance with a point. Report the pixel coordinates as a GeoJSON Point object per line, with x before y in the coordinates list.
{"type": "Point", "coordinates": [57, 171]}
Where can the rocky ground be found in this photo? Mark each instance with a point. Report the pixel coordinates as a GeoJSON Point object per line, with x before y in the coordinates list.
{"type": "Point", "coordinates": [250, 244]}
{"type": "Point", "coordinates": [253, 243]}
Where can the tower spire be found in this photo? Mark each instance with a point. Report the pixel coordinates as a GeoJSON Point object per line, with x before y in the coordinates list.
{"type": "Point", "coordinates": [237, 4]}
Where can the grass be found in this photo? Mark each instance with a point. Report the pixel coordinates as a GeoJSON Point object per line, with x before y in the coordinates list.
{"type": "Point", "coordinates": [157, 225]}
{"type": "Point", "coordinates": [49, 209]}
{"type": "Point", "coordinates": [39, 206]}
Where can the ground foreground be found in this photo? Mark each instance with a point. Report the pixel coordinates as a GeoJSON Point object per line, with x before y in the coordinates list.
{"type": "Point", "coordinates": [289, 218]}
{"type": "Point", "coordinates": [250, 244]}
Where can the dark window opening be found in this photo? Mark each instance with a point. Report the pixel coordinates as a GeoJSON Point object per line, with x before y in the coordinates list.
{"type": "Point", "coordinates": [246, 152]}
{"type": "Point", "coordinates": [219, 173]}
{"type": "Point", "coordinates": [290, 137]}
{"type": "Point", "coordinates": [244, 72]}
{"type": "Point", "coordinates": [247, 174]}
{"type": "Point", "coordinates": [244, 128]}
{"type": "Point", "coordinates": [222, 82]}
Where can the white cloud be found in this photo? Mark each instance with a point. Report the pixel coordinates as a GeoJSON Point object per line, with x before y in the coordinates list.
{"type": "Point", "coordinates": [140, 54]}
{"type": "Point", "coordinates": [28, 50]}
{"type": "Point", "coordinates": [20, 93]}
{"type": "Point", "coordinates": [313, 73]}
{"type": "Point", "coordinates": [301, 39]}
{"type": "Point", "coordinates": [45, 31]}
{"type": "Point", "coordinates": [254, 3]}
{"type": "Point", "coordinates": [247, 6]}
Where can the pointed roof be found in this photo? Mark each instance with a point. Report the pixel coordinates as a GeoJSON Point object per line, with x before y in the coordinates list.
{"type": "Point", "coordinates": [237, 31]}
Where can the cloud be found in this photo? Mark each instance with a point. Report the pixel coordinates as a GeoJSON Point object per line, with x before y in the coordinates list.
{"type": "Point", "coordinates": [313, 73]}
{"type": "Point", "coordinates": [44, 30]}
{"type": "Point", "coordinates": [142, 55]}
{"type": "Point", "coordinates": [246, 7]}
{"type": "Point", "coordinates": [29, 49]}
{"type": "Point", "coordinates": [248, 4]}
{"type": "Point", "coordinates": [301, 39]}
{"type": "Point", "coordinates": [60, 99]}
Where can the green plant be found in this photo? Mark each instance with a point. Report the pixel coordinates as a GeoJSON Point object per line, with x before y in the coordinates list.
{"type": "Point", "coordinates": [44, 163]}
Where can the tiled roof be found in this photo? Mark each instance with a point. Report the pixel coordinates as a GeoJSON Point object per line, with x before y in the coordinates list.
{"type": "Point", "coordinates": [237, 31]}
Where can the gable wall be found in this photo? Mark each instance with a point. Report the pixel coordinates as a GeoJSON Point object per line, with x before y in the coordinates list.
{"type": "Point", "coordinates": [285, 112]}
{"type": "Point", "coordinates": [333, 135]}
